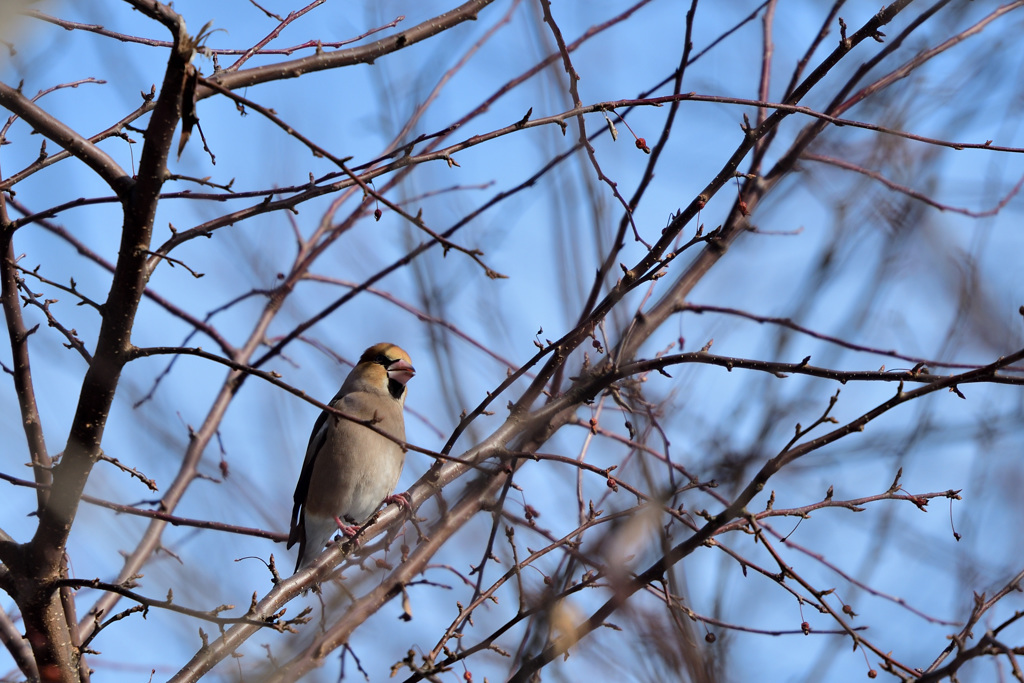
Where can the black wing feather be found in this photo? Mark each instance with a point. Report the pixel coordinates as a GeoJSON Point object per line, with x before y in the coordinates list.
{"type": "Point", "coordinates": [297, 532]}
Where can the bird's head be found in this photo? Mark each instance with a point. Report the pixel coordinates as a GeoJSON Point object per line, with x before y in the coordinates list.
{"type": "Point", "coordinates": [386, 366]}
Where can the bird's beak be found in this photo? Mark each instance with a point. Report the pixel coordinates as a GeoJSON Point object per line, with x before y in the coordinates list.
{"type": "Point", "coordinates": [401, 371]}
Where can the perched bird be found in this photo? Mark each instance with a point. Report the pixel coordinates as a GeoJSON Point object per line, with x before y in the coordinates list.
{"type": "Point", "coordinates": [350, 469]}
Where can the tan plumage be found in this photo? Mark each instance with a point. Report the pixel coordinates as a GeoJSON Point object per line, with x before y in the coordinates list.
{"type": "Point", "coordinates": [350, 469]}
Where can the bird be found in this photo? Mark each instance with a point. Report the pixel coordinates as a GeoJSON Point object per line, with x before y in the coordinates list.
{"type": "Point", "coordinates": [350, 469]}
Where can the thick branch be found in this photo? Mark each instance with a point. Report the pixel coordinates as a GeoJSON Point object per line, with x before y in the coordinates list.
{"type": "Point", "coordinates": [363, 54]}
{"type": "Point", "coordinates": [19, 334]}
{"type": "Point", "coordinates": [16, 645]}
{"type": "Point", "coordinates": [45, 621]}
{"type": "Point", "coordinates": [68, 139]}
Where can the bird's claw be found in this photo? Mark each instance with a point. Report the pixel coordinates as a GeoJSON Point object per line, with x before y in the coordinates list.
{"type": "Point", "coordinates": [349, 531]}
{"type": "Point", "coordinates": [399, 499]}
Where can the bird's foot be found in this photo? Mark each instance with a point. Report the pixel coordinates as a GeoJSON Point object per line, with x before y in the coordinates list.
{"type": "Point", "coordinates": [399, 499]}
{"type": "Point", "coordinates": [348, 530]}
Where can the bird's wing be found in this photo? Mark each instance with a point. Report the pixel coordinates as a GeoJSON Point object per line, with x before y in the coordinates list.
{"type": "Point", "coordinates": [316, 442]}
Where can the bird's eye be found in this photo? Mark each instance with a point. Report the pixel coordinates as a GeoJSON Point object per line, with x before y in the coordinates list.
{"type": "Point", "coordinates": [381, 359]}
